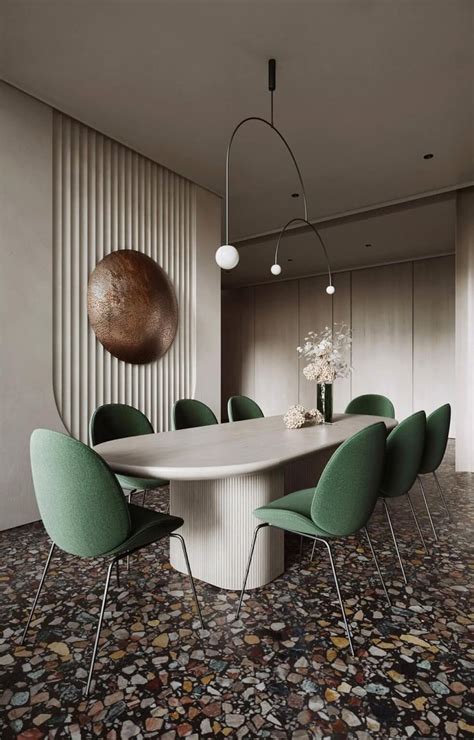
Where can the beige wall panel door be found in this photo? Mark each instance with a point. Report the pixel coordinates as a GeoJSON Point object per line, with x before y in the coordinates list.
{"type": "Point", "coordinates": [314, 315]}
{"type": "Point", "coordinates": [342, 315]}
{"type": "Point", "coordinates": [238, 344]}
{"type": "Point", "coordinates": [230, 346]}
{"type": "Point", "coordinates": [382, 334]}
{"type": "Point", "coordinates": [433, 338]}
{"type": "Point", "coordinates": [464, 330]}
{"type": "Point", "coordinates": [247, 341]}
{"type": "Point", "coordinates": [276, 335]}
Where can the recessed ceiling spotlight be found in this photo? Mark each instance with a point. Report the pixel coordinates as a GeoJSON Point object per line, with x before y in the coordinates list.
{"type": "Point", "coordinates": [295, 195]}
{"type": "Point", "coordinates": [428, 156]}
{"type": "Point", "coordinates": [368, 244]}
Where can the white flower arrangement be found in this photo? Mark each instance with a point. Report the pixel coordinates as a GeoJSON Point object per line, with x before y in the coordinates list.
{"type": "Point", "coordinates": [297, 417]}
{"type": "Point", "coordinates": [326, 353]}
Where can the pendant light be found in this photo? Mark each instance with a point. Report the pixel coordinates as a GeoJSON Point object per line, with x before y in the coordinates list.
{"type": "Point", "coordinates": [276, 269]}
{"type": "Point", "coordinates": [227, 256]}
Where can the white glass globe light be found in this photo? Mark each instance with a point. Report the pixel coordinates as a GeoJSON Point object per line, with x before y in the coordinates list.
{"type": "Point", "coordinates": [227, 257]}
{"type": "Point", "coordinates": [276, 269]}
{"type": "Point", "coordinates": [330, 290]}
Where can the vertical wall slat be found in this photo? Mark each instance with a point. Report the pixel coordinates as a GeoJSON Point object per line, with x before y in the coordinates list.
{"type": "Point", "coordinates": [106, 198]}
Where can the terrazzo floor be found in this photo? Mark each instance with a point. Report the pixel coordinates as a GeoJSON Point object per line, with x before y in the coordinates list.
{"type": "Point", "coordinates": [282, 671]}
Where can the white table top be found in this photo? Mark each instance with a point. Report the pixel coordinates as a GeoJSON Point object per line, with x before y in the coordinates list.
{"type": "Point", "coordinates": [224, 450]}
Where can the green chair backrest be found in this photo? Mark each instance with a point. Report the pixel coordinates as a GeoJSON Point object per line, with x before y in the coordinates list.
{"type": "Point", "coordinates": [188, 413]}
{"type": "Point", "coordinates": [372, 404]}
{"type": "Point", "coordinates": [437, 432]}
{"type": "Point", "coordinates": [240, 408]}
{"type": "Point", "coordinates": [347, 491]}
{"type": "Point", "coordinates": [81, 504]}
{"type": "Point", "coordinates": [405, 446]}
{"type": "Point", "coordinates": [116, 421]}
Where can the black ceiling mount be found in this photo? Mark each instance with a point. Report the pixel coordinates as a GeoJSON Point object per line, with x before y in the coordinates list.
{"type": "Point", "coordinates": [271, 75]}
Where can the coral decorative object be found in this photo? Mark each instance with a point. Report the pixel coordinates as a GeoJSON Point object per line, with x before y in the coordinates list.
{"type": "Point", "coordinates": [297, 417]}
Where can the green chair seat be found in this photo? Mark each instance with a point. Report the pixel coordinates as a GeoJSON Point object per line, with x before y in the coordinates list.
{"type": "Point", "coordinates": [292, 512]}
{"type": "Point", "coordinates": [241, 408]}
{"type": "Point", "coordinates": [84, 512]}
{"type": "Point", "coordinates": [437, 433]}
{"type": "Point", "coordinates": [404, 450]}
{"type": "Point", "coordinates": [116, 421]}
{"type": "Point", "coordinates": [436, 440]}
{"type": "Point", "coordinates": [340, 505]}
{"type": "Point", "coordinates": [405, 446]}
{"type": "Point", "coordinates": [141, 484]}
{"type": "Point", "coordinates": [189, 413]}
{"type": "Point", "coordinates": [146, 526]}
{"type": "Point", "coordinates": [371, 404]}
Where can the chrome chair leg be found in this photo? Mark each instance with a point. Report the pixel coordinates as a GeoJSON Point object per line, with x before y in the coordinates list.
{"type": "Point", "coordinates": [99, 627]}
{"type": "Point", "coordinates": [45, 570]}
{"type": "Point", "coordinates": [143, 497]}
{"type": "Point", "coordinates": [313, 549]}
{"type": "Point", "coordinates": [427, 508]}
{"type": "Point", "coordinates": [301, 548]}
{"type": "Point", "coordinates": [394, 540]}
{"type": "Point", "coordinates": [185, 553]}
{"type": "Point", "coordinates": [417, 523]}
{"type": "Point", "coordinates": [117, 573]}
{"type": "Point", "coordinates": [441, 494]}
{"type": "Point", "coordinates": [252, 548]}
{"type": "Point", "coordinates": [341, 603]}
{"type": "Point", "coordinates": [377, 566]}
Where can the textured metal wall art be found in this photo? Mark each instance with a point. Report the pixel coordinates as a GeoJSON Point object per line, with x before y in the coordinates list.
{"type": "Point", "coordinates": [132, 306]}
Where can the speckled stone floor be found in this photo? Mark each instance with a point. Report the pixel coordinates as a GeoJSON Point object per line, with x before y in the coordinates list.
{"type": "Point", "coordinates": [283, 671]}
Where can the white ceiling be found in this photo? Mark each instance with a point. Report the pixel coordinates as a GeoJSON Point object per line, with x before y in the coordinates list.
{"type": "Point", "coordinates": [364, 89]}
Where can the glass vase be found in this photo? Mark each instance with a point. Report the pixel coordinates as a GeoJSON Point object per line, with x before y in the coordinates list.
{"type": "Point", "coordinates": [324, 401]}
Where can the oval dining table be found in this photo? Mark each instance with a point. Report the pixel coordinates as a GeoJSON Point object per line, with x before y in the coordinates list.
{"type": "Point", "coordinates": [220, 473]}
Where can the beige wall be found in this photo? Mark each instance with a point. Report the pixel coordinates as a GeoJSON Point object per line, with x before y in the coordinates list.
{"type": "Point", "coordinates": [465, 328]}
{"type": "Point", "coordinates": [26, 309]}
{"type": "Point", "coordinates": [402, 319]}
{"type": "Point", "coordinates": [32, 244]}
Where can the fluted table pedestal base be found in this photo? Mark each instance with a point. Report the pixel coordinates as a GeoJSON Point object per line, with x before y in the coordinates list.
{"type": "Point", "coordinates": [219, 525]}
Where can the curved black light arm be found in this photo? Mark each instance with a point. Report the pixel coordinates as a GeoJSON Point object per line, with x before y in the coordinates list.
{"type": "Point", "coordinates": [227, 168]}
{"type": "Point", "coordinates": [313, 227]}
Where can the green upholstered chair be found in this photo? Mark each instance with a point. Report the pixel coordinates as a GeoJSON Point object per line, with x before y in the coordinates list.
{"type": "Point", "coordinates": [405, 446]}
{"type": "Point", "coordinates": [373, 405]}
{"type": "Point", "coordinates": [85, 514]}
{"type": "Point", "coordinates": [436, 439]}
{"type": "Point", "coordinates": [340, 505]}
{"type": "Point", "coordinates": [189, 413]}
{"type": "Point", "coordinates": [116, 421]}
{"type": "Point", "coordinates": [241, 408]}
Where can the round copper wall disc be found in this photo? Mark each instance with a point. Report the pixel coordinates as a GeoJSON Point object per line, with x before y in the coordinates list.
{"type": "Point", "coordinates": [132, 306]}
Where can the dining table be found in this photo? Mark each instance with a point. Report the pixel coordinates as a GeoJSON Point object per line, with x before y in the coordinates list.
{"type": "Point", "coordinates": [220, 473]}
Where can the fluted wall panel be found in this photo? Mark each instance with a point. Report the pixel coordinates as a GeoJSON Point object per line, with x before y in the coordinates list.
{"type": "Point", "coordinates": [107, 197]}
